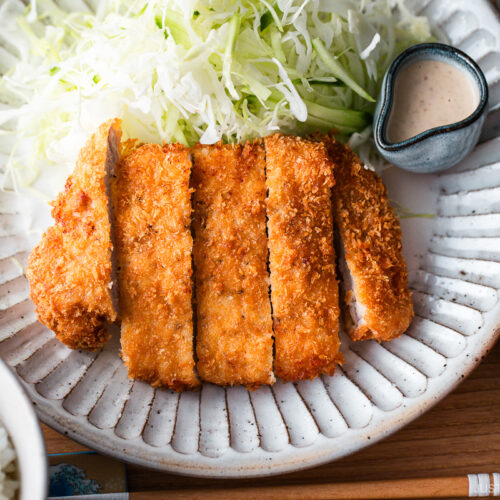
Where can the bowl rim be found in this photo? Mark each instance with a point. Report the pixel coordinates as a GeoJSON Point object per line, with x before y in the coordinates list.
{"type": "Point", "coordinates": [449, 52]}
{"type": "Point", "coordinates": [9, 376]}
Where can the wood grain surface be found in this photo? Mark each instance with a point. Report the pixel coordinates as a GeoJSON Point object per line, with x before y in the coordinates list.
{"type": "Point", "coordinates": [458, 436]}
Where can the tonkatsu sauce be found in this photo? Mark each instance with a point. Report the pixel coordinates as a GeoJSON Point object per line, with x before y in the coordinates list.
{"type": "Point", "coordinates": [428, 94]}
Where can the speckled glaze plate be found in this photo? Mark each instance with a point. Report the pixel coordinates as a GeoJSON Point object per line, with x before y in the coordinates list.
{"type": "Point", "coordinates": [454, 264]}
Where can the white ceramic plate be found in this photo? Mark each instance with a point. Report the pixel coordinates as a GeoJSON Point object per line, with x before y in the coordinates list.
{"type": "Point", "coordinates": [454, 262]}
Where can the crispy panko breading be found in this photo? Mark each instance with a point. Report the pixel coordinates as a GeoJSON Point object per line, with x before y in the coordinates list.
{"type": "Point", "coordinates": [234, 341]}
{"type": "Point", "coordinates": [377, 299]}
{"type": "Point", "coordinates": [152, 204]}
{"type": "Point", "coordinates": [304, 288]}
{"type": "Point", "coordinates": [70, 271]}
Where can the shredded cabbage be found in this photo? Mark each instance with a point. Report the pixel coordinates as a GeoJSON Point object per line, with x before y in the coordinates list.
{"type": "Point", "coordinates": [191, 70]}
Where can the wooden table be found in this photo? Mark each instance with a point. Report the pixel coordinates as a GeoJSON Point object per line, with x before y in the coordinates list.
{"type": "Point", "coordinates": [460, 435]}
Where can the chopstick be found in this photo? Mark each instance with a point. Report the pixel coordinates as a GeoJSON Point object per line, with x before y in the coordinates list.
{"type": "Point", "coordinates": [472, 485]}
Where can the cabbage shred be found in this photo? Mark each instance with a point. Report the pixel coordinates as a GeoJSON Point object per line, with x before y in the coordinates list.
{"type": "Point", "coordinates": [191, 70]}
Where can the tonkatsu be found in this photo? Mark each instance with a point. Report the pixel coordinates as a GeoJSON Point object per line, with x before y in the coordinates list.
{"type": "Point", "coordinates": [234, 336]}
{"type": "Point", "coordinates": [377, 301]}
{"type": "Point", "coordinates": [70, 270]}
{"type": "Point", "coordinates": [152, 206]}
{"type": "Point", "coordinates": [304, 288]}
{"type": "Point", "coordinates": [219, 261]}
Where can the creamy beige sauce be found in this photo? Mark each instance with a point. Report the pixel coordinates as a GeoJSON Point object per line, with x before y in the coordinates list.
{"type": "Point", "coordinates": [429, 94]}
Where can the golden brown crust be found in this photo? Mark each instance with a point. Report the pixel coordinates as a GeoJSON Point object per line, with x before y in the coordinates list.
{"type": "Point", "coordinates": [70, 269]}
{"type": "Point", "coordinates": [371, 236]}
{"type": "Point", "coordinates": [304, 289]}
{"type": "Point", "coordinates": [152, 206]}
{"type": "Point", "coordinates": [234, 341]}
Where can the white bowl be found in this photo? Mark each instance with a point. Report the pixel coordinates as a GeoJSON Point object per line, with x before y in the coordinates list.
{"type": "Point", "coordinates": [19, 417]}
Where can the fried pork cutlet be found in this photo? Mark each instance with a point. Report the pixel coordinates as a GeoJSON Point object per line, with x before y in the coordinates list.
{"type": "Point", "coordinates": [377, 301]}
{"type": "Point", "coordinates": [304, 289]}
{"type": "Point", "coordinates": [70, 271]}
{"type": "Point", "coordinates": [152, 204]}
{"type": "Point", "coordinates": [234, 341]}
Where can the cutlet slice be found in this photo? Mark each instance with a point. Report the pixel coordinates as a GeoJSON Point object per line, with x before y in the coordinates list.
{"type": "Point", "coordinates": [234, 340]}
{"type": "Point", "coordinates": [377, 301]}
{"type": "Point", "coordinates": [304, 288]}
{"type": "Point", "coordinates": [70, 271]}
{"type": "Point", "coordinates": [152, 205]}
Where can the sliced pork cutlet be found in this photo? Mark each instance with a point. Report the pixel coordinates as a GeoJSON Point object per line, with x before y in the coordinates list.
{"type": "Point", "coordinates": [304, 288]}
{"type": "Point", "coordinates": [152, 204]}
{"type": "Point", "coordinates": [70, 271]}
{"type": "Point", "coordinates": [234, 338]}
{"type": "Point", "coordinates": [377, 301]}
